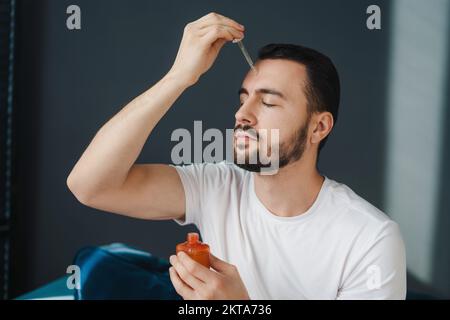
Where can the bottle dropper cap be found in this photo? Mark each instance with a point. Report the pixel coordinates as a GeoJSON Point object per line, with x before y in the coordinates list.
{"type": "Point", "coordinates": [192, 237]}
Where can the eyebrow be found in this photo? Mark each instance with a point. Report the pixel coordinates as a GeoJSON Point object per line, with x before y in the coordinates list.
{"type": "Point", "coordinates": [264, 91]}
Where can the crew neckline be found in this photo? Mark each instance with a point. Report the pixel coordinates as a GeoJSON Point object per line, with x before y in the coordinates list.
{"type": "Point", "coordinates": [300, 217]}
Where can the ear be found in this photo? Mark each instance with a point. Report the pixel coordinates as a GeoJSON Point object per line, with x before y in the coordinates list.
{"type": "Point", "coordinates": [322, 125]}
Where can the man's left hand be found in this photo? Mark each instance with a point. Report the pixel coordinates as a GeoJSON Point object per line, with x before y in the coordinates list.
{"type": "Point", "coordinates": [194, 281]}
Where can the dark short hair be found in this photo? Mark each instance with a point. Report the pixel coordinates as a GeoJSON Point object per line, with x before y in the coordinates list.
{"type": "Point", "coordinates": [322, 89]}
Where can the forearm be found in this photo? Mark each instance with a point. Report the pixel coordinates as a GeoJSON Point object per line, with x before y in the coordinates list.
{"type": "Point", "coordinates": [116, 146]}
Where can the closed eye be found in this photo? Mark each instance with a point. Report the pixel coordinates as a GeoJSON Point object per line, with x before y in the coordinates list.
{"type": "Point", "coordinates": [264, 103]}
{"type": "Point", "coordinates": [268, 104]}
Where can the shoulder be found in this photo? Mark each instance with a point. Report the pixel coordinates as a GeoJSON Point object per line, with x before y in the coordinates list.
{"type": "Point", "coordinates": [358, 214]}
{"type": "Point", "coordinates": [372, 239]}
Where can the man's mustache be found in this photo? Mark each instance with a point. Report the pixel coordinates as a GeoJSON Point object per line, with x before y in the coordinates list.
{"type": "Point", "coordinates": [253, 133]}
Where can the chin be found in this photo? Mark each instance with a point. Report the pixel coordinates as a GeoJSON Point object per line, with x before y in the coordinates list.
{"type": "Point", "coordinates": [252, 167]}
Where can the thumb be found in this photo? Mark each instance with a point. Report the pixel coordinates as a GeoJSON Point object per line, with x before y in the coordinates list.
{"type": "Point", "coordinates": [219, 44]}
{"type": "Point", "coordinates": [217, 264]}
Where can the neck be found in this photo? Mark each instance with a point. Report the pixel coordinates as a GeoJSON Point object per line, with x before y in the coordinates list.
{"type": "Point", "coordinates": [293, 190]}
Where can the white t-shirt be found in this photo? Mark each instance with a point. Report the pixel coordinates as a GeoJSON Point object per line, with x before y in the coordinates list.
{"type": "Point", "coordinates": [342, 247]}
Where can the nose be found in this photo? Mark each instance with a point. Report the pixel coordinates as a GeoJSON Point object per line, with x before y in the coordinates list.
{"type": "Point", "coordinates": [246, 114]}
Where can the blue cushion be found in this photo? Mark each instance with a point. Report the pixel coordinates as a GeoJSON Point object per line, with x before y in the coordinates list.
{"type": "Point", "coordinates": [118, 271]}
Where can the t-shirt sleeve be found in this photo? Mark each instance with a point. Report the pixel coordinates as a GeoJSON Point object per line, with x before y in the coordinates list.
{"type": "Point", "coordinates": [380, 272]}
{"type": "Point", "coordinates": [192, 177]}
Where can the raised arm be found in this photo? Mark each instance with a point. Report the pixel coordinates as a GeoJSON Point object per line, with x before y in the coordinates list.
{"type": "Point", "coordinates": [106, 176]}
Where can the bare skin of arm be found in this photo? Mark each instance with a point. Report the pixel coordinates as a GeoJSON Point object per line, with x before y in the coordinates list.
{"type": "Point", "coordinates": [106, 176]}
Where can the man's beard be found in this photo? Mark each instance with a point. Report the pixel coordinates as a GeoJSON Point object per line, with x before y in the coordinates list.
{"type": "Point", "coordinates": [289, 151]}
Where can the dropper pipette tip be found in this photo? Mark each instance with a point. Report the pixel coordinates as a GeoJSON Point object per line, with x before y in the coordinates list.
{"type": "Point", "coordinates": [245, 53]}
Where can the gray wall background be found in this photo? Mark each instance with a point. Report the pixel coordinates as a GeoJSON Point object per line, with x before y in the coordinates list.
{"type": "Point", "coordinates": [69, 83]}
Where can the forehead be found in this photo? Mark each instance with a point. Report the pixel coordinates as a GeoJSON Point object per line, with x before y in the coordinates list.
{"type": "Point", "coordinates": [285, 76]}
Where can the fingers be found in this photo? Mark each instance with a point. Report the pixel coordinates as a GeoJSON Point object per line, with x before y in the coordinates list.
{"type": "Point", "coordinates": [214, 26]}
{"type": "Point", "coordinates": [219, 44]}
{"type": "Point", "coordinates": [220, 32]}
{"type": "Point", "coordinates": [219, 265]}
{"type": "Point", "coordinates": [187, 273]}
{"type": "Point", "coordinates": [193, 267]}
{"type": "Point", "coordinates": [215, 18]}
{"type": "Point", "coordinates": [180, 287]}
{"type": "Point", "coordinates": [237, 33]}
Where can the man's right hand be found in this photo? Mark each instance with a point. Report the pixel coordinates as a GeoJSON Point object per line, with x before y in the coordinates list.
{"type": "Point", "coordinates": [201, 43]}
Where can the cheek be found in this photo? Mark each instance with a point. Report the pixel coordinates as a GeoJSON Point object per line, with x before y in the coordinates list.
{"type": "Point", "coordinates": [283, 127]}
